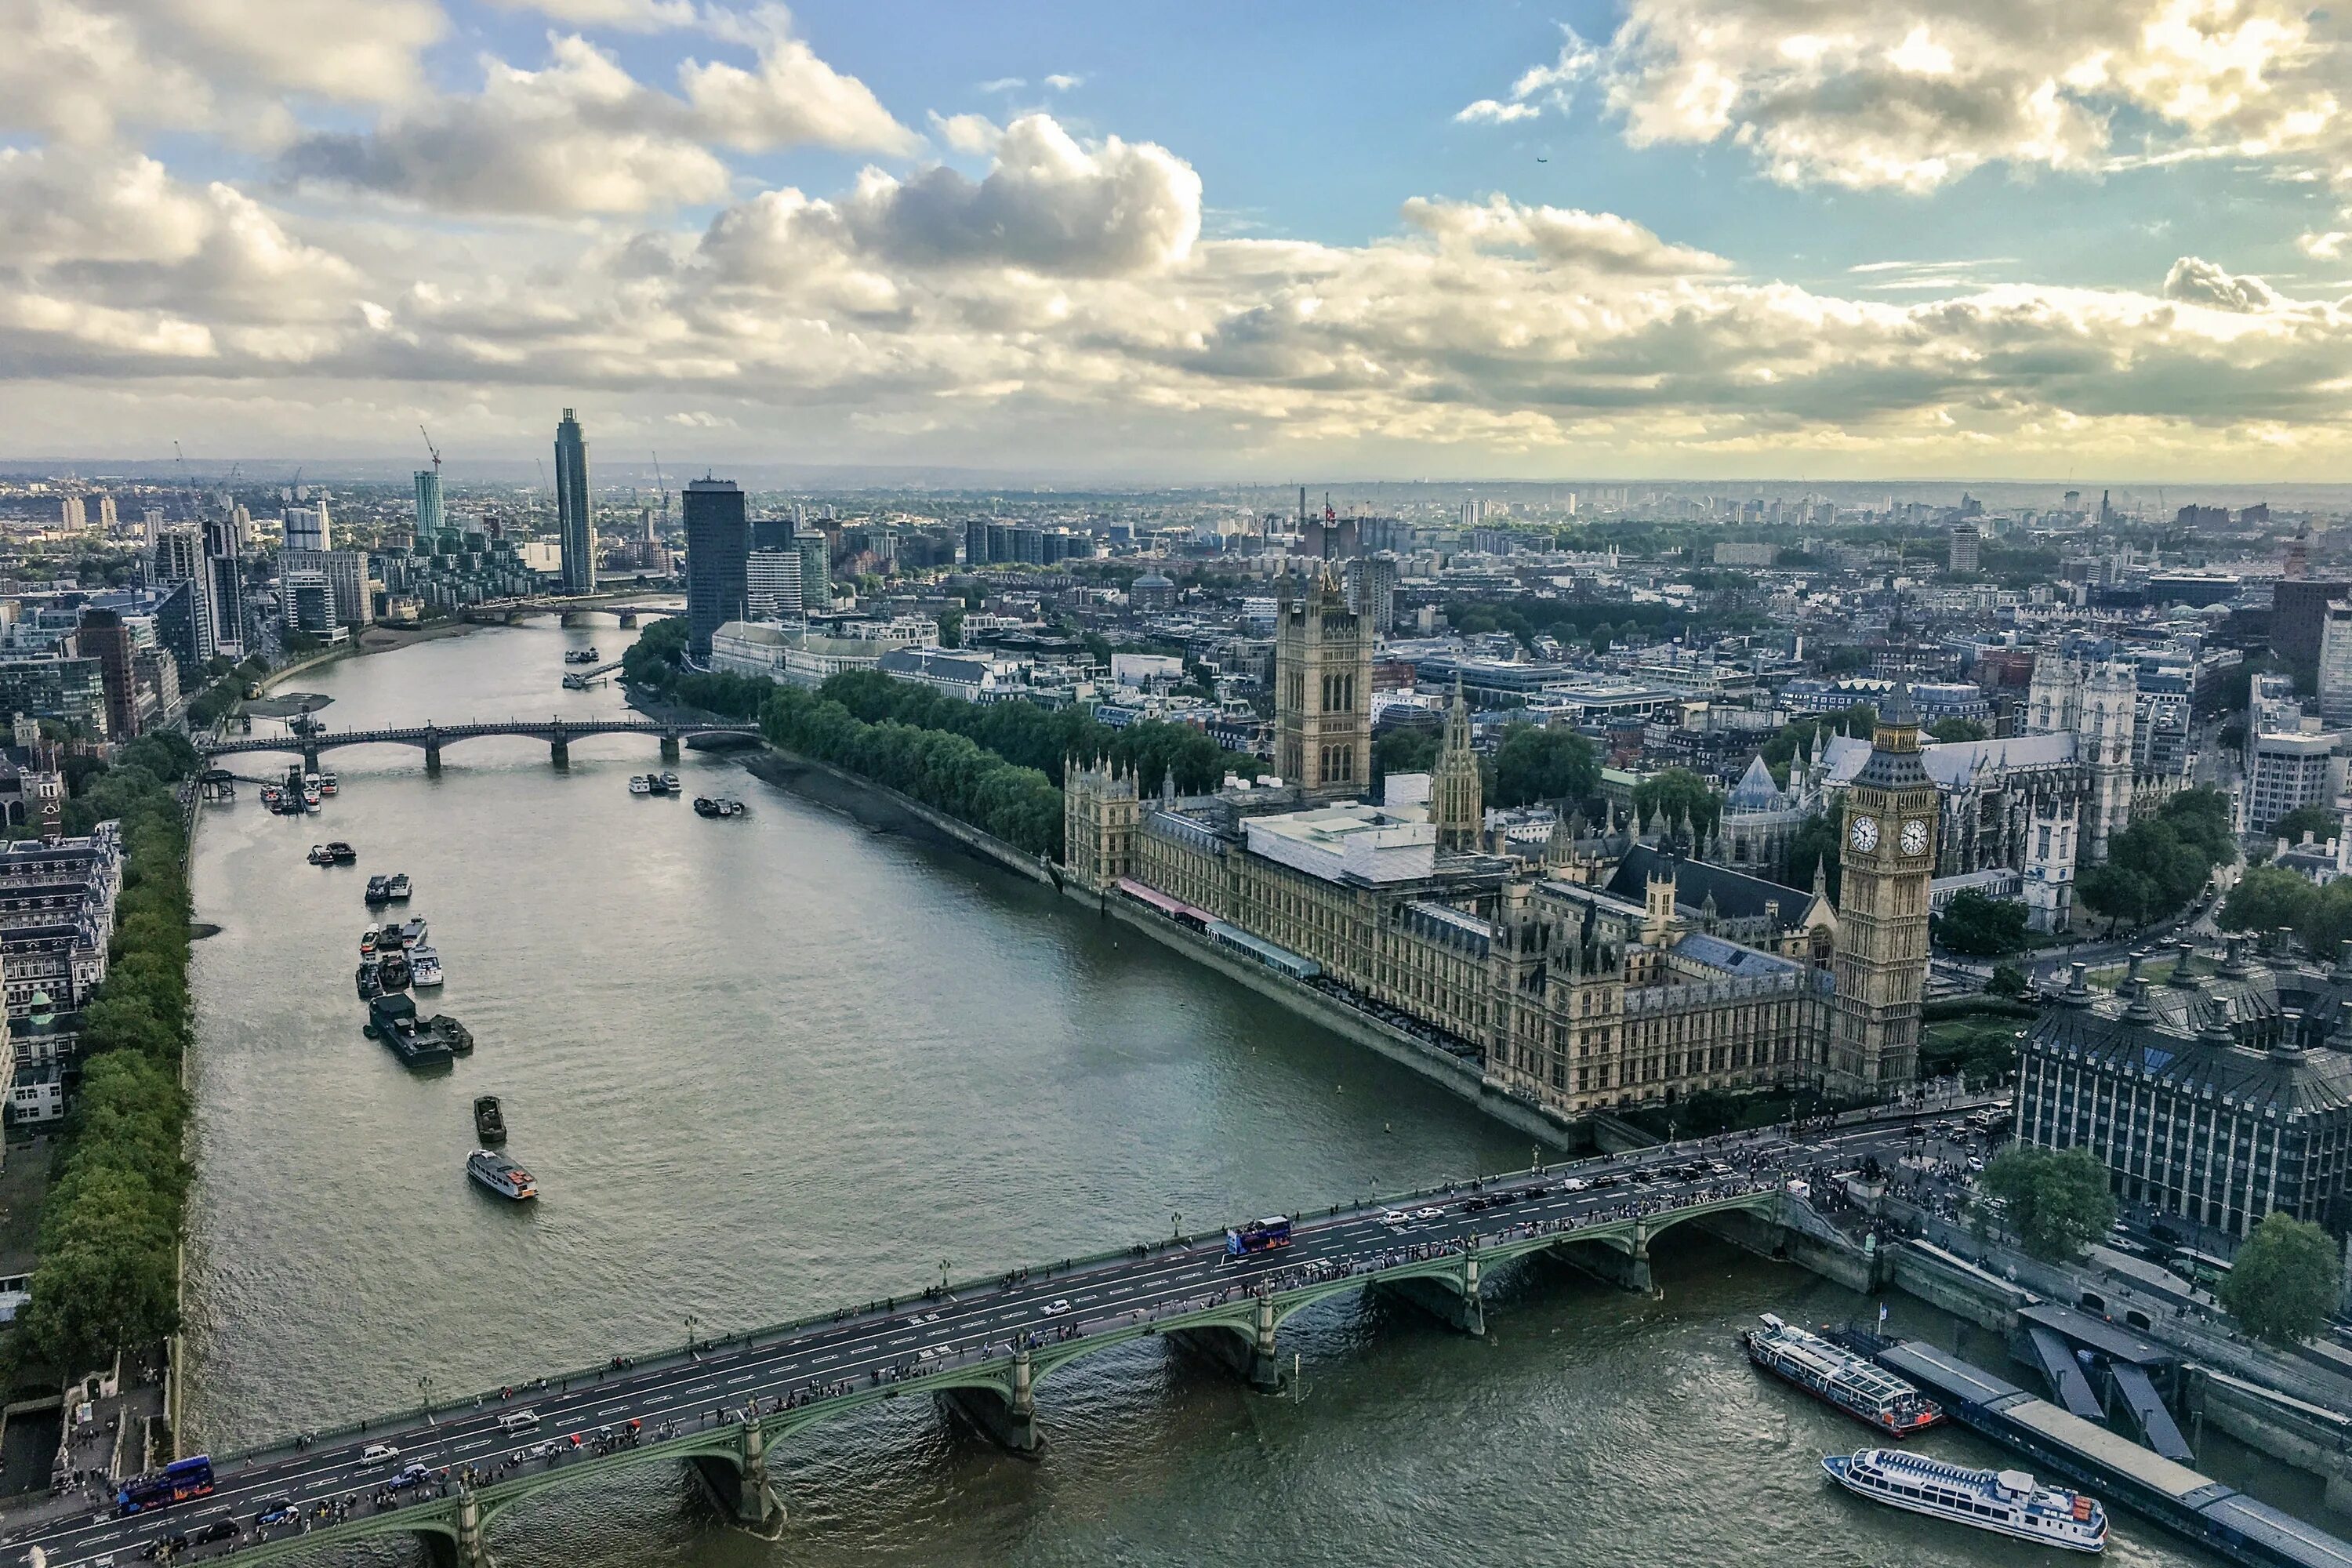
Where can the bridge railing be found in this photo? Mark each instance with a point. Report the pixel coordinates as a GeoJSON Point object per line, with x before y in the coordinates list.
{"type": "Point", "coordinates": [466, 1404]}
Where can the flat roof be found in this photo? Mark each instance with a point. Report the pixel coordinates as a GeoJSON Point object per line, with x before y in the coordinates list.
{"type": "Point", "coordinates": [2119, 1454]}
{"type": "Point", "coordinates": [1925, 1364]}
{"type": "Point", "coordinates": [2285, 1535]}
{"type": "Point", "coordinates": [2099, 1334]}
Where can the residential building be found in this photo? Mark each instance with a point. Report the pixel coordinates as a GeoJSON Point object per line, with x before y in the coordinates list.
{"type": "Point", "coordinates": [1372, 589]}
{"type": "Point", "coordinates": [307, 527]}
{"type": "Point", "coordinates": [430, 520]}
{"type": "Point", "coordinates": [178, 566]}
{"type": "Point", "coordinates": [2285, 771]}
{"type": "Point", "coordinates": [574, 514]}
{"type": "Point", "coordinates": [346, 572]}
{"type": "Point", "coordinates": [718, 540]}
{"type": "Point", "coordinates": [103, 636]}
{"type": "Point", "coordinates": [1151, 594]}
{"type": "Point", "coordinates": [771, 585]}
{"type": "Point", "coordinates": [1735, 553]}
{"type": "Point", "coordinates": [1962, 556]}
{"type": "Point", "coordinates": [224, 575]}
{"type": "Point", "coordinates": [71, 691]}
{"type": "Point", "coordinates": [816, 571]}
{"type": "Point", "coordinates": [310, 601]}
{"type": "Point", "coordinates": [2335, 663]}
{"type": "Point", "coordinates": [2299, 616]}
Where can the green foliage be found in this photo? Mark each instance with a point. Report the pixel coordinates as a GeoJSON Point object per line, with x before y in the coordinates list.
{"type": "Point", "coordinates": [1528, 619]}
{"type": "Point", "coordinates": [2268, 898]}
{"type": "Point", "coordinates": [1985, 1050]}
{"type": "Point", "coordinates": [952, 628]}
{"type": "Point", "coordinates": [2317, 821]}
{"type": "Point", "coordinates": [657, 655]}
{"type": "Point", "coordinates": [948, 771]}
{"type": "Point", "coordinates": [2008, 980]}
{"type": "Point", "coordinates": [1956, 730]}
{"type": "Point", "coordinates": [110, 1230]}
{"type": "Point", "coordinates": [1986, 928]}
{"type": "Point", "coordinates": [1405, 749]}
{"type": "Point", "coordinates": [1819, 841]}
{"type": "Point", "coordinates": [2285, 1281]}
{"type": "Point", "coordinates": [2155, 866]}
{"type": "Point", "coordinates": [2058, 1202]}
{"type": "Point", "coordinates": [1538, 762]}
{"type": "Point", "coordinates": [1689, 807]}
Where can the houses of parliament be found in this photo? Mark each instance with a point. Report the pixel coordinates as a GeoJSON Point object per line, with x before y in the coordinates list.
{"type": "Point", "coordinates": [1595, 972]}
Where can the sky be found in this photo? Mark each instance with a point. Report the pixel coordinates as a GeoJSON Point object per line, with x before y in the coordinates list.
{"type": "Point", "coordinates": [1786, 239]}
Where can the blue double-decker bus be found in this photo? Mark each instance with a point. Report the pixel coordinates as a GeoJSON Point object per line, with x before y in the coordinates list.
{"type": "Point", "coordinates": [1258, 1236]}
{"type": "Point", "coordinates": [176, 1482]}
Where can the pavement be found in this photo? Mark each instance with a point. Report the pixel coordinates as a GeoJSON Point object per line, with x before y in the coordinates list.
{"type": "Point", "coordinates": [327, 1480]}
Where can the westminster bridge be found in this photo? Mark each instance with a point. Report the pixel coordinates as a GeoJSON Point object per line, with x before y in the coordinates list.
{"type": "Point", "coordinates": [981, 1348]}
{"type": "Point", "coordinates": [559, 734]}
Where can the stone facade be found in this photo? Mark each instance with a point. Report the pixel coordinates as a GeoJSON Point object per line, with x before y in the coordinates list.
{"type": "Point", "coordinates": [1323, 690]}
{"type": "Point", "coordinates": [1881, 955]}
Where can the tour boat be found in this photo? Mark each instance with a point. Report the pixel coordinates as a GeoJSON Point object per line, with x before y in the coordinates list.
{"type": "Point", "coordinates": [641, 783]}
{"type": "Point", "coordinates": [310, 799]}
{"type": "Point", "coordinates": [2006, 1502]}
{"type": "Point", "coordinates": [581, 655]}
{"type": "Point", "coordinates": [501, 1174]}
{"type": "Point", "coordinates": [327, 784]}
{"type": "Point", "coordinates": [370, 940]}
{"type": "Point", "coordinates": [424, 968]}
{"type": "Point", "coordinates": [669, 783]}
{"type": "Point", "coordinates": [398, 888]}
{"type": "Point", "coordinates": [1838, 1377]}
{"type": "Point", "coordinates": [489, 1121]}
{"type": "Point", "coordinates": [309, 781]}
{"type": "Point", "coordinates": [411, 933]}
{"type": "Point", "coordinates": [322, 855]}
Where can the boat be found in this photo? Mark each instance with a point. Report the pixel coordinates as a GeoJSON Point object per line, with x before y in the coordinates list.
{"type": "Point", "coordinates": [501, 1174]}
{"type": "Point", "coordinates": [705, 806]}
{"type": "Point", "coordinates": [310, 799]}
{"type": "Point", "coordinates": [309, 781]}
{"type": "Point", "coordinates": [719, 806]}
{"type": "Point", "coordinates": [392, 970]}
{"type": "Point", "coordinates": [411, 933]}
{"type": "Point", "coordinates": [370, 982]}
{"type": "Point", "coordinates": [322, 855]}
{"type": "Point", "coordinates": [327, 785]}
{"type": "Point", "coordinates": [641, 783]}
{"type": "Point", "coordinates": [670, 784]}
{"type": "Point", "coordinates": [2006, 1502]}
{"type": "Point", "coordinates": [489, 1121]}
{"type": "Point", "coordinates": [1838, 1377]}
{"type": "Point", "coordinates": [334, 852]}
{"type": "Point", "coordinates": [370, 940]}
{"type": "Point", "coordinates": [582, 654]}
{"type": "Point", "coordinates": [398, 887]}
{"type": "Point", "coordinates": [424, 968]}
{"type": "Point", "coordinates": [379, 890]}
{"type": "Point", "coordinates": [417, 1041]}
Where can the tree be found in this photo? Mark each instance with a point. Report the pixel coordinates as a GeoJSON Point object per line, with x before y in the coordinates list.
{"type": "Point", "coordinates": [1956, 730]}
{"type": "Point", "coordinates": [1986, 928]}
{"type": "Point", "coordinates": [2285, 1281]}
{"type": "Point", "coordinates": [952, 628]}
{"type": "Point", "coordinates": [2317, 821]}
{"type": "Point", "coordinates": [1818, 841]}
{"type": "Point", "coordinates": [2268, 898]}
{"type": "Point", "coordinates": [1408, 749]}
{"type": "Point", "coordinates": [2008, 980]}
{"type": "Point", "coordinates": [2123, 895]}
{"type": "Point", "coordinates": [1544, 762]}
{"type": "Point", "coordinates": [2058, 1202]}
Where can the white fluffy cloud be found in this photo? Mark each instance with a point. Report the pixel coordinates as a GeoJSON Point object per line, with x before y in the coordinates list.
{"type": "Point", "coordinates": [582, 135]}
{"type": "Point", "coordinates": [1915, 94]}
{"type": "Point", "coordinates": [78, 70]}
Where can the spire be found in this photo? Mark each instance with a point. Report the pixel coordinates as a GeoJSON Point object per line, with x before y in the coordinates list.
{"type": "Point", "coordinates": [1820, 876]}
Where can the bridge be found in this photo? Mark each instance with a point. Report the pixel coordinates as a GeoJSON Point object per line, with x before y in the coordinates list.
{"type": "Point", "coordinates": [559, 734]}
{"type": "Point", "coordinates": [579, 679]}
{"type": "Point", "coordinates": [506, 612]}
{"type": "Point", "coordinates": [981, 1349]}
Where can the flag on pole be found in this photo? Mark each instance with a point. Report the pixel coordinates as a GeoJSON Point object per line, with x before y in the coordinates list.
{"type": "Point", "coordinates": [1882, 1314]}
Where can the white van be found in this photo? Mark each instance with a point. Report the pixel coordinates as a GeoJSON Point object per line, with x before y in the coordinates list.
{"type": "Point", "coordinates": [518, 1421]}
{"type": "Point", "coordinates": [378, 1454]}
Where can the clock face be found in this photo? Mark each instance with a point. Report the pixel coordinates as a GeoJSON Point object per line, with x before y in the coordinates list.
{"type": "Point", "coordinates": [1865, 834]}
{"type": "Point", "coordinates": [1914, 837]}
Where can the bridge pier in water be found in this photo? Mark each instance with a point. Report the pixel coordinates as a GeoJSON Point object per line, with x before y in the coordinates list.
{"type": "Point", "coordinates": [738, 1482]}
{"type": "Point", "coordinates": [1622, 1263]}
{"type": "Point", "coordinates": [1249, 1352]}
{"type": "Point", "coordinates": [629, 618]}
{"type": "Point", "coordinates": [1455, 1301]}
{"type": "Point", "coordinates": [669, 746]}
{"type": "Point", "coordinates": [559, 748]}
{"type": "Point", "coordinates": [464, 1546]}
{"type": "Point", "coordinates": [1010, 1425]}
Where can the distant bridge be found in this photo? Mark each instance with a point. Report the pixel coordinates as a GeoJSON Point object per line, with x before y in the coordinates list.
{"type": "Point", "coordinates": [506, 612]}
{"type": "Point", "coordinates": [559, 734]}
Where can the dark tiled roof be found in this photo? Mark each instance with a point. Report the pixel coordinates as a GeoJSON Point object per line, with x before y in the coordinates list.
{"type": "Point", "coordinates": [2309, 1081]}
{"type": "Point", "coordinates": [1738, 896]}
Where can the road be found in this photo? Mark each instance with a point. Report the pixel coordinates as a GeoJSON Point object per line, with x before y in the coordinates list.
{"type": "Point", "coordinates": [323, 1480]}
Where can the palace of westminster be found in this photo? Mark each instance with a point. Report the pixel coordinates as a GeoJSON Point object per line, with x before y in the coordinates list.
{"type": "Point", "coordinates": [1597, 972]}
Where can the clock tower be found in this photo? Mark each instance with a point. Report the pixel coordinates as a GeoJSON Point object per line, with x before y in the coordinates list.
{"type": "Point", "coordinates": [1881, 957]}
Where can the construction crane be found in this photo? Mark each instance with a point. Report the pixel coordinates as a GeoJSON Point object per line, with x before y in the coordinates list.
{"type": "Point", "coordinates": [662, 485]}
{"type": "Point", "coordinates": [429, 446]}
{"type": "Point", "coordinates": [187, 485]}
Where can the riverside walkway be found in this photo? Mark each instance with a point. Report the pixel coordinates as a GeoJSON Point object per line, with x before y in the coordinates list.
{"type": "Point", "coordinates": [982, 1348]}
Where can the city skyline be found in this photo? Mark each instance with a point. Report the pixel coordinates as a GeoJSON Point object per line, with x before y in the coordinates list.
{"type": "Point", "coordinates": [1626, 242]}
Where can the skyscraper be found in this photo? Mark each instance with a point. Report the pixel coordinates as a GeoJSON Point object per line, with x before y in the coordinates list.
{"type": "Point", "coordinates": [429, 502]}
{"type": "Point", "coordinates": [572, 524]}
{"type": "Point", "coordinates": [306, 529]}
{"type": "Point", "coordinates": [1881, 957]}
{"type": "Point", "coordinates": [718, 542]}
{"type": "Point", "coordinates": [178, 557]}
{"type": "Point", "coordinates": [226, 573]}
{"type": "Point", "coordinates": [771, 585]}
{"type": "Point", "coordinates": [816, 572]}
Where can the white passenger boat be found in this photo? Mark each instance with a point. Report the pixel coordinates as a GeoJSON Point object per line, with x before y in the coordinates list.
{"type": "Point", "coordinates": [501, 1174]}
{"type": "Point", "coordinates": [424, 968]}
{"type": "Point", "coordinates": [2006, 1502]}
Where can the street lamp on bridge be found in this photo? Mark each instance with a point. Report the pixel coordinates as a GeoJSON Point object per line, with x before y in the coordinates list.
{"type": "Point", "coordinates": [690, 1322]}
{"type": "Point", "coordinates": [424, 1394]}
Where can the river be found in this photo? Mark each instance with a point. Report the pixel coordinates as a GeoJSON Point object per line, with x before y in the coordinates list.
{"type": "Point", "coordinates": [766, 1066]}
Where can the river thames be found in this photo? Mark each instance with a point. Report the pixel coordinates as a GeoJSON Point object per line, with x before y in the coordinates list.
{"type": "Point", "coordinates": [766, 1066]}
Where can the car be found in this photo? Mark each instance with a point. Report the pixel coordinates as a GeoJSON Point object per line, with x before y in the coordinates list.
{"type": "Point", "coordinates": [1429, 1214]}
{"type": "Point", "coordinates": [412, 1475]}
{"type": "Point", "coordinates": [274, 1510]}
{"type": "Point", "coordinates": [1391, 1216]}
{"type": "Point", "coordinates": [1575, 1185]}
{"type": "Point", "coordinates": [1975, 1162]}
{"type": "Point", "coordinates": [517, 1420]}
{"type": "Point", "coordinates": [1055, 1307]}
{"type": "Point", "coordinates": [218, 1530]}
{"type": "Point", "coordinates": [378, 1454]}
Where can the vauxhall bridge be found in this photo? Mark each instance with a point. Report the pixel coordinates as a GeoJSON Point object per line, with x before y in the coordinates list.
{"type": "Point", "coordinates": [981, 1349]}
{"type": "Point", "coordinates": [559, 734]}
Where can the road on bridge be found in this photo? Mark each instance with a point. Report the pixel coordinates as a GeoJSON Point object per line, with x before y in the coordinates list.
{"type": "Point", "coordinates": [327, 1484]}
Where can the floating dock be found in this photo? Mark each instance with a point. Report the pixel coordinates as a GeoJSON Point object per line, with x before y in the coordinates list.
{"type": "Point", "coordinates": [2115, 1469]}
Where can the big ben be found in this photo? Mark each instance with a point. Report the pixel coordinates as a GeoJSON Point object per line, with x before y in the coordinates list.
{"type": "Point", "coordinates": [1881, 957]}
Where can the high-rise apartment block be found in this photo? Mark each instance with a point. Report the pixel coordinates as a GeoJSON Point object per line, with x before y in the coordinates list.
{"type": "Point", "coordinates": [179, 558]}
{"type": "Point", "coordinates": [816, 572]}
{"type": "Point", "coordinates": [306, 529]}
{"type": "Point", "coordinates": [429, 503]}
{"type": "Point", "coordinates": [1963, 555]}
{"type": "Point", "coordinates": [2335, 663]}
{"type": "Point", "coordinates": [574, 524]}
{"type": "Point", "coordinates": [771, 585]}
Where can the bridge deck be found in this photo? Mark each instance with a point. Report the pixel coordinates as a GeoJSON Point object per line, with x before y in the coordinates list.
{"type": "Point", "coordinates": [792, 1376]}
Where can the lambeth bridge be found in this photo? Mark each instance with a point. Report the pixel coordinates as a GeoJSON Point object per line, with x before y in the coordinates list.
{"type": "Point", "coordinates": [559, 734]}
{"type": "Point", "coordinates": [981, 1349]}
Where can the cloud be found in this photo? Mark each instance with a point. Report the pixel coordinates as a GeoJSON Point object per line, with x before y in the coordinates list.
{"type": "Point", "coordinates": [581, 135]}
{"type": "Point", "coordinates": [2200, 282]}
{"type": "Point", "coordinates": [1602, 242]}
{"type": "Point", "coordinates": [79, 69]}
{"type": "Point", "coordinates": [1063, 83]}
{"type": "Point", "coordinates": [791, 99]}
{"type": "Point", "coordinates": [1538, 87]}
{"type": "Point", "coordinates": [1004, 84]}
{"type": "Point", "coordinates": [620, 16]}
{"type": "Point", "coordinates": [2324, 246]}
{"type": "Point", "coordinates": [1857, 94]}
{"type": "Point", "coordinates": [1487, 109]}
{"type": "Point", "coordinates": [970, 134]}
{"type": "Point", "coordinates": [1048, 204]}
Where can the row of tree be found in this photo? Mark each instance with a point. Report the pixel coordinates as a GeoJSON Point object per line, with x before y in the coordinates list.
{"type": "Point", "coordinates": [2269, 898]}
{"type": "Point", "coordinates": [2159, 863]}
{"type": "Point", "coordinates": [107, 1273]}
